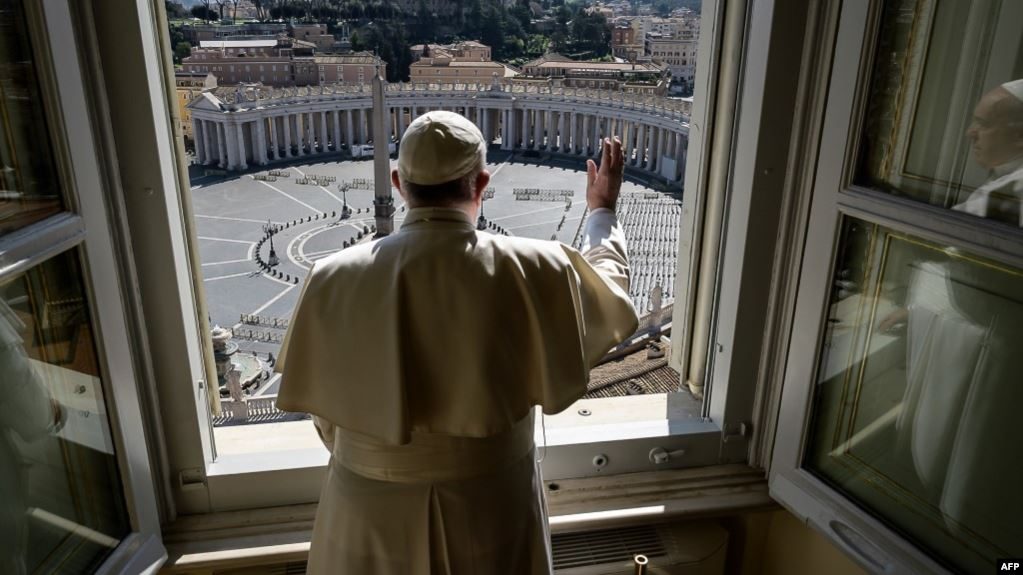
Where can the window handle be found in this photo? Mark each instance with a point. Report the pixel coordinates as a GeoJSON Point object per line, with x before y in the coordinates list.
{"type": "Point", "coordinates": [659, 455]}
{"type": "Point", "coordinates": [861, 547]}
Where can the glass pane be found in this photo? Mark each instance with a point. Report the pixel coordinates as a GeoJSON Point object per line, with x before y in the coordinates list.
{"type": "Point", "coordinates": [62, 508]}
{"type": "Point", "coordinates": [917, 403]}
{"type": "Point", "coordinates": [944, 119]}
{"type": "Point", "coordinates": [277, 186]}
{"type": "Point", "coordinates": [28, 182]}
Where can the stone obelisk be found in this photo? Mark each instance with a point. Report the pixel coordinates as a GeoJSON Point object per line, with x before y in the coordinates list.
{"type": "Point", "coordinates": [383, 201]}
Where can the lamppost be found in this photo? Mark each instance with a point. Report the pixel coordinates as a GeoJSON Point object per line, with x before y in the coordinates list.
{"type": "Point", "coordinates": [481, 222]}
{"type": "Point", "coordinates": [269, 230]}
{"type": "Point", "coordinates": [346, 212]}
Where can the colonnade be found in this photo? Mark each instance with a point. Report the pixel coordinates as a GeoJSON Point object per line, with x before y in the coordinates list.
{"type": "Point", "coordinates": [257, 135]}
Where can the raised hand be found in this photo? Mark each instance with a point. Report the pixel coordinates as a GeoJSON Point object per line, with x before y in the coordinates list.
{"type": "Point", "coordinates": [604, 183]}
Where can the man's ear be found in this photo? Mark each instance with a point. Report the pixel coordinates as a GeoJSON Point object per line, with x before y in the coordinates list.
{"type": "Point", "coordinates": [396, 182]}
{"type": "Point", "coordinates": [482, 180]}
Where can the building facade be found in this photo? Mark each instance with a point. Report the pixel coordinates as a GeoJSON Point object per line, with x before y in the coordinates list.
{"type": "Point", "coordinates": [315, 34]}
{"type": "Point", "coordinates": [643, 77]}
{"type": "Point", "coordinates": [187, 86]}
{"type": "Point", "coordinates": [677, 54]}
{"type": "Point", "coordinates": [463, 62]}
{"type": "Point", "coordinates": [257, 126]}
{"type": "Point", "coordinates": [279, 62]}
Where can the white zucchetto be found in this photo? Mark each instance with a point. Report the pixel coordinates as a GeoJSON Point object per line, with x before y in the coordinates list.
{"type": "Point", "coordinates": [440, 147]}
{"type": "Point", "coordinates": [1015, 88]}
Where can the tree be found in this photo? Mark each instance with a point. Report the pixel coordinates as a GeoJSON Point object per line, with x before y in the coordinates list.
{"type": "Point", "coordinates": [182, 50]}
{"type": "Point", "coordinates": [203, 12]}
{"type": "Point", "coordinates": [492, 32]}
{"type": "Point", "coordinates": [424, 28]}
{"type": "Point", "coordinates": [175, 11]}
{"type": "Point", "coordinates": [590, 33]}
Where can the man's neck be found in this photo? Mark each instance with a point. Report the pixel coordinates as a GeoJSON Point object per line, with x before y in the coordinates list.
{"type": "Point", "coordinates": [469, 208]}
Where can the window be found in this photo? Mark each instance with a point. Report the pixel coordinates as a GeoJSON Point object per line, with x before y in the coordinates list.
{"type": "Point", "coordinates": [212, 471]}
{"type": "Point", "coordinates": [78, 492]}
{"type": "Point", "coordinates": [903, 366]}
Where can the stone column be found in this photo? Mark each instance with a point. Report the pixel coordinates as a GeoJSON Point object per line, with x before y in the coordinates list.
{"type": "Point", "coordinates": [485, 128]}
{"type": "Point", "coordinates": [562, 132]}
{"type": "Point", "coordinates": [299, 134]}
{"type": "Point", "coordinates": [210, 135]}
{"type": "Point", "coordinates": [225, 158]}
{"type": "Point", "coordinates": [310, 132]}
{"type": "Point", "coordinates": [259, 149]}
{"type": "Point", "coordinates": [538, 120]}
{"type": "Point", "coordinates": [505, 140]}
{"type": "Point", "coordinates": [274, 138]}
{"type": "Point", "coordinates": [286, 130]}
{"type": "Point", "coordinates": [401, 122]}
{"type": "Point", "coordinates": [242, 161]}
{"type": "Point", "coordinates": [200, 145]}
{"type": "Point", "coordinates": [573, 135]}
{"type": "Point", "coordinates": [651, 154]}
{"type": "Point", "coordinates": [640, 144]}
{"type": "Point", "coordinates": [652, 158]}
{"type": "Point", "coordinates": [662, 146]}
{"type": "Point", "coordinates": [524, 131]}
{"type": "Point", "coordinates": [680, 155]}
{"type": "Point", "coordinates": [231, 146]}
{"type": "Point", "coordinates": [323, 132]}
{"type": "Point", "coordinates": [350, 138]}
{"type": "Point", "coordinates": [337, 130]}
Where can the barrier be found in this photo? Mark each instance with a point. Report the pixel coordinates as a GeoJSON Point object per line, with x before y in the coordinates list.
{"type": "Point", "coordinates": [542, 195]}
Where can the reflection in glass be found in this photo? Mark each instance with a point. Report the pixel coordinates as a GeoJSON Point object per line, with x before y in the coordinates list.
{"type": "Point", "coordinates": [917, 404]}
{"type": "Point", "coordinates": [28, 185]}
{"type": "Point", "coordinates": [62, 508]}
{"type": "Point", "coordinates": [944, 117]}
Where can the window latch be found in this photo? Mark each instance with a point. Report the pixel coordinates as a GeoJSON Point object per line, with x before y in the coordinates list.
{"type": "Point", "coordinates": [741, 431]}
{"type": "Point", "coordinates": [659, 455]}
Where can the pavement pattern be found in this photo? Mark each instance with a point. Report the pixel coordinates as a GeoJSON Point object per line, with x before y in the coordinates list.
{"type": "Point", "coordinates": [231, 213]}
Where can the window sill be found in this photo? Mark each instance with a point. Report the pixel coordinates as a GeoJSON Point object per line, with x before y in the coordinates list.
{"type": "Point", "coordinates": [238, 539]}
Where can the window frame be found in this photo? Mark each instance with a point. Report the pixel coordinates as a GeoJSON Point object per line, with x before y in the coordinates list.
{"type": "Point", "coordinates": [865, 538]}
{"type": "Point", "coordinates": [87, 226]}
{"type": "Point", "coordinates": [202, 482]}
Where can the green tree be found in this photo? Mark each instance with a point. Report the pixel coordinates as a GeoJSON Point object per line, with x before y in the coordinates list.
{"type": "Point", "coordinates": [204, 13]}
{"type": "Point", "coordinates": [536, 45]}
{"type": "Point", "coordinates": [424, 29]}
{"type": "Point", "coordinates": [590, 33]}
{"type": "Point", "coordinates": [175, 11]}
{"type": "Point", "coordinates": [492, 32]}
{"type": "Point", "coordinates": [182, 50]}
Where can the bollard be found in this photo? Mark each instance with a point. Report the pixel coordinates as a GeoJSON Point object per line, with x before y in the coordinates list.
{"type": "Point", "coordinates": [641, 562]}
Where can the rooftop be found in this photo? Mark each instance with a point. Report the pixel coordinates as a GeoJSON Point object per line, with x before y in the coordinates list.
{"type": "Point", "coordinates": [353, 58]}
{"type": "Point", "coordinates": [237, 43]}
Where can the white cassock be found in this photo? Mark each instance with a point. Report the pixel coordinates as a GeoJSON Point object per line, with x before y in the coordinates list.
{"type": "Point", "coordinates": [25, 413]}
{"type": "Point", "coordinates": [1001, 198]}
{"type": "Point", "coordinates": [421, 356]}
{"type": "Point", "coordinates": [964, 383]}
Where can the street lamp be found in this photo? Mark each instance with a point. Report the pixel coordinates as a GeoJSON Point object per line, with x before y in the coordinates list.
{"type": "Point", "coordinates": [481, 222]}
{"type": "Point", "coordinates": [346, 212]}
{"type": "Point", "coordinates": [269, 229]}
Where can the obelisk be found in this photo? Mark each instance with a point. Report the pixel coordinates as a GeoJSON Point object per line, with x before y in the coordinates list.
{"type": "Point", "coordinates": [383, 201]}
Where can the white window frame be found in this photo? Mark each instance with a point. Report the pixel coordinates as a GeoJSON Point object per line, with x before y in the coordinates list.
{"type": "Point", "coordinates": [866, 539]}
{"type": "Point", "coordinates": [201, 482]}
{"type": "Point", "coordinates": [87, 225]}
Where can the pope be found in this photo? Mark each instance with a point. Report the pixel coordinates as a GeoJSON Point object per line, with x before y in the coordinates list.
{"type": "Point", "coordinates": [422, 355]}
